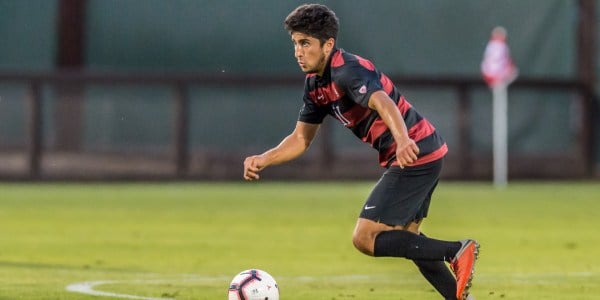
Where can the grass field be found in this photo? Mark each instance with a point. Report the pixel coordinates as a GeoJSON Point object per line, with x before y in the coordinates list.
{"type": "Point", "coordinates": [187, 240]}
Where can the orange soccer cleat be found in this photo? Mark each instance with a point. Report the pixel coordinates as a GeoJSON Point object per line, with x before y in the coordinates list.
{"type": "Point", "coordinates": [463, 266]}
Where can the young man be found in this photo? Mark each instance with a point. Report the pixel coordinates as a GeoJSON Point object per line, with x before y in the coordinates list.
{"type": "Point", "coordinates": [350, 89]}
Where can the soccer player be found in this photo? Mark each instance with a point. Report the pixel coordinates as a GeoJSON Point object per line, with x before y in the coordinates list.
{"type": "Point", "coordinates": [350, 89]}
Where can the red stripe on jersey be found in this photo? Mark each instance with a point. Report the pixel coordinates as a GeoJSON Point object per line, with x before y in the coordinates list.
{"type": "Point", "coordinates": [387, 84]}
{"type": "Point", "coordinates": [421, 130]}
{"type": "Point", "coordinates": [356, 114]}
{"type": "Point", "coordinates": [433, 156]}
{"type": "Point", "coordinates": [377, 129]}
{"type": "Point", "coordinates": [365, 63]}
{"type": "Point", "coordinates": [403, 105]}
{"type": "Point", "coordinates": [337, 60]}
{"type": "Point", "coordinates": [327, 94]}
{"type": "Point", "coordinates": [385, 156]}
{"type": "Point", "coordinates": [314, 96]}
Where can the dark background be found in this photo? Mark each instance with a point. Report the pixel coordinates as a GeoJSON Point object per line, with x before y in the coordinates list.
{"type": "Point", "coordinates": [152, 89]}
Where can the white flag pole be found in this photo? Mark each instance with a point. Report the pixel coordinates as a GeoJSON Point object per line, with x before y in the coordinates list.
{"type": "Point", "coordinates": [499, 71]}
{"type": "Point", "coordinates": [500, 128]}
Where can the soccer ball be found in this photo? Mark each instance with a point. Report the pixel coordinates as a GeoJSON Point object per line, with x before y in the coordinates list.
{"type": "Point", "coordinates": [253, 284]}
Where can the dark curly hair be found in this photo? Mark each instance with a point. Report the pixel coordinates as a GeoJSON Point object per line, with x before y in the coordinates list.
{"type": "Point", "coordinates": [315, 20]}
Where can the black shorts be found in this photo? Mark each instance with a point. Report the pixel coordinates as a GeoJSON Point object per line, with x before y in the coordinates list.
{"type": "Point", "coordinates": [402, 196]}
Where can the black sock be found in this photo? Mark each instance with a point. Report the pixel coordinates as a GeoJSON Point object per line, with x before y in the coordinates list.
{"type": "Point", "coordinates": [439, 276]}
{"type": "Point", "coordinates": [402, 243]}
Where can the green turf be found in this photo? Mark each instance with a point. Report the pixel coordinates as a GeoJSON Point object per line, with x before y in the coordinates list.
{"type": "Point", "coordinates": [539, 240]}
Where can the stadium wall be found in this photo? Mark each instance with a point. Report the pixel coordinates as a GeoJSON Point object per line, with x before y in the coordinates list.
{"type": "Point", "coordinates": [430, 38]}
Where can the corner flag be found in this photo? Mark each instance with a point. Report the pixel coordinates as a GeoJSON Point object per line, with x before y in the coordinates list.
{"type": "Point", "coordinates": [498, 72]}
{"type": "Point", "coordinates": [497, 66]}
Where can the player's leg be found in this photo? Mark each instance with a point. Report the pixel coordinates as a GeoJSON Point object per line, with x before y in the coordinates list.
{"type": "Point", "coordinates": [428, 254]}
{"type": "Point", "coordinates": [439, 276]}
{"type": "Point", "coordinates": [462, 264]}
{"type": "Point", "coordinates": [377, 239]}
{"type": "Point", "coordinates": [436, 272]}
{"type": "Point", "coordinates": [400, 197]}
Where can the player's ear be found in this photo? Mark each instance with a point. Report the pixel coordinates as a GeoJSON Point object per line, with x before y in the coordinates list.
{"type": "Point", "coordinates": [328, 45]}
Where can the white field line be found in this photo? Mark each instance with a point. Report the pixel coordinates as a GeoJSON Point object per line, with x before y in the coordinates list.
{"type": "Point", "coordinates": [89, 287]}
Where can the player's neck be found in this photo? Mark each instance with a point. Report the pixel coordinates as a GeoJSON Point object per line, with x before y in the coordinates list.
{"type": "Point", "coordinates": [326, 63]}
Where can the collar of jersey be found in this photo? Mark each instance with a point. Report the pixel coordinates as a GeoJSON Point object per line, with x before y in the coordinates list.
{"type": "Point", "coordinates": [327, 72]}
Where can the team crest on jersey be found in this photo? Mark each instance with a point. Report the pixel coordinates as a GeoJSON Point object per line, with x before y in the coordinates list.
{"type": "Point", "coordinates": [363, 89]}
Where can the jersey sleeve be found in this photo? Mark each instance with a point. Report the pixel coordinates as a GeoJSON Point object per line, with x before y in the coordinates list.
{"type": "Point", "coordinates": [311, 112]}
{"type": "Point", "coordinates": [358, 81]}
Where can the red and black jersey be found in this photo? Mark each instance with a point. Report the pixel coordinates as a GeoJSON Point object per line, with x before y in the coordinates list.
{"type": "Point", "coordinates": [344, 91]}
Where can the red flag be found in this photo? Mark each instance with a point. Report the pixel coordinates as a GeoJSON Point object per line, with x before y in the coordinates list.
{"type": "Point", "coordinates": [497, 66]}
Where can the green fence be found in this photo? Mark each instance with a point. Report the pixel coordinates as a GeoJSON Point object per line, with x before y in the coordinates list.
{"type": "Point", "coordinates": [246, 38]}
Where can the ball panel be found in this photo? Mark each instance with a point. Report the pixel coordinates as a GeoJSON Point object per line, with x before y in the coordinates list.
{"type": "Point", "coordinates": [253, 284]}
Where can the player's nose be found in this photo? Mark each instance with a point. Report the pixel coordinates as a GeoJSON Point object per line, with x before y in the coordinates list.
{"type": "Point", "coordinates": [297, 52]}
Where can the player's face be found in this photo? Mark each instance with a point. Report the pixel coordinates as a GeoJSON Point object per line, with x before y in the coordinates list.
{"type": "Point", "coordinates": [311, 55]}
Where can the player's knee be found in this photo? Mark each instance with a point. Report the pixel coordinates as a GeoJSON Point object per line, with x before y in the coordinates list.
{"type": "Point", "coordinates": [363, 242]}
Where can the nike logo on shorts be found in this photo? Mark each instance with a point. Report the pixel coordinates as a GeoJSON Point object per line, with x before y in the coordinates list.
{"type": "Point", "coordinates": [369, 207]}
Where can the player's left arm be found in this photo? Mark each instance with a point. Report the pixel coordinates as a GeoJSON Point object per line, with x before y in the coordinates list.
{"type": "Point", "coordinates": [406, 150]}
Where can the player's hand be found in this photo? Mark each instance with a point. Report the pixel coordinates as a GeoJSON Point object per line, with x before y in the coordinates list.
{"type": "Point", "coordinates": [253, 165]}
{"type": "Point", "coordinates": [406, 152]}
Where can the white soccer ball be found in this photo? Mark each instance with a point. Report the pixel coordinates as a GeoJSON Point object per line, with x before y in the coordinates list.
{"type": "Point", "coordinates": [253, 284]}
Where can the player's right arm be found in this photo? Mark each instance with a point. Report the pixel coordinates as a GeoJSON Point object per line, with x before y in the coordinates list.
{"type": "Point", "coordinates": [290, 148]}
